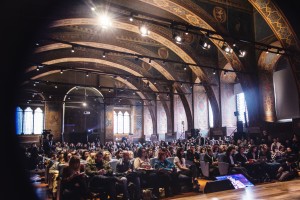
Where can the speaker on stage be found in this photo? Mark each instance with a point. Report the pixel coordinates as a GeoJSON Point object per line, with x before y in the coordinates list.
{"type": "Point", "coordinates": [240, 126]}
{"type": "Point", "coordinates": [217, 186]}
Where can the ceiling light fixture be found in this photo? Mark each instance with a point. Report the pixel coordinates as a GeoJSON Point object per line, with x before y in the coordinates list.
{"type": "Point", "coordinates": [144, 31]}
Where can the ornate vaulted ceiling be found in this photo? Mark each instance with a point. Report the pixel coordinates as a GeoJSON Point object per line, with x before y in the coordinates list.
{"type": "Point", "coordinates": [153, 64]}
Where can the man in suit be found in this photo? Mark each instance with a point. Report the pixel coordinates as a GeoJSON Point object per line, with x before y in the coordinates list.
{"type": "Point", "coordinates": [48, 145]}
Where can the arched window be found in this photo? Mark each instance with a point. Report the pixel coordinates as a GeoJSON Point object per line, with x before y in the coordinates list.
{"type": "Point", "coordinates": [19, 120]}
{"type": "Point", "coordinates": [28, 121]}
{"type": "Point", "coordinates": [120, 122]}
{"type": "Point", "coordinates": [126, 122]}
{"type": "Point", "coordinates": [115, 122]}
{"type": "Point", "coordinates": [210, 116]}
{"type": "Point", "coordinates": [38, 121]}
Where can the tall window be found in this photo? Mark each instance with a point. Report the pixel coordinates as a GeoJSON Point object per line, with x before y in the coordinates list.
{"type": "Point", "coordinates": [210, 116]}
{"type": "Point", "coordinates": [115, 122]}
{"type": "Point", "coordinates": [241, 107]}
{"type": "Point", "coordinates": [29, 121]}
{"type": "Point", "coordinates": [126, 122]}
{"type": "Point", "coordinates": [121, 122]}
{"type": "Point", "coordinates": [19, 120]}
{"type": "Point", "coordinates": [38, 121]}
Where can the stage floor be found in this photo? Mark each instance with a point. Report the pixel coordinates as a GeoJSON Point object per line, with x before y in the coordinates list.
{"type": "Point", "coordinates": [279, 190]}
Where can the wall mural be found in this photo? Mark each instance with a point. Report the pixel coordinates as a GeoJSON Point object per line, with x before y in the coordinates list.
{"type": "Point", "coordinates": [138, 121]}
{"type": "Point", "coordinates": [219, 14]}
{"type": "Point", "coordinates": [261, 33]}
{"type": "Point", "coordinates": [228, 105]}
{"type": "Point", "coordinates": [109, 123]}
{"type": "Point", "coordinates": [148, 125]}
{"type": "Point", "coordinates": [267, 93]}
{"type": "Point", "coordinates": [161, 119]}
{"type": "Point", "coordinates": [53, 119]}
{"type": "Point", "coordinates": [180, 120]}
{"type": "Point", "coordinates": [200, 108]}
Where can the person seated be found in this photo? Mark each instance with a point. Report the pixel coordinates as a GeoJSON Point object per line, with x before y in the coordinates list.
{"type": "Point", "coordinates": [265, 154]}
{"type": "Point", "coordinates": [74, 183]}
{"type": "Point", "coordinates": [53, 174]}
{"type": "Point", "coordinates": [125, 169]}
{"type": "Point", "coordinates": [193, 158]}
{"type": "Point", "coordinates": [234, 166]}
{"type": "Point", "coordinates": [255, 169]}
{"type": "Point", "coordinates": [166, 172]}
{"type": "Point", "coordinates": [182, 169]}
{"type": "Point", "coordinates": [101, 175]}
{"type": "Point", "coordinates": [287, 171]}
{"type": "Point", "coordinates": [213, 163]}
{"type": "Point", "coordinates": [252, 154]}
{"type": "Point", "coordinates": [148, 177]}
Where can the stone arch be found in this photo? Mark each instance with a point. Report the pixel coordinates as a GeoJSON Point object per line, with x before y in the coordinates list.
{"type": "Point", "coordinates": [111, 64]}
{"type": "Point", "coordinates": [156, 65]}
{"type": "Point", "coordinates": [134, 28]}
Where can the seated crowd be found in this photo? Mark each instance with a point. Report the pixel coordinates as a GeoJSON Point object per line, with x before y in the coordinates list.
{"type": "Point", "coordinates": [126, 169]}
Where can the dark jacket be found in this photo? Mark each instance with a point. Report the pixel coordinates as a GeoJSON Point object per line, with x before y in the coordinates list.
{"type": "Point", "coordinates": [250, 155]}
{"type": "Point", "coordinates": [123, 166]}
{"type": "Point", "coordinates": [209, 159]}
{"type": "Point", "coordinates": [241, 158]}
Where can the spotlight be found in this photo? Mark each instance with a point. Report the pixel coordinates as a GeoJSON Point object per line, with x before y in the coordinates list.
{"type": "Point", "coordinates": [131, 17]}
{"type": "Point", "coordinates": [267, 50]}
{"type": "Point", "coordinates": [225, 73]}
{"type": "Point", "coordinates": [104, 21]}
{"type": "Point", "coordinates": [103, 54]}
{"type": "Point", "coordinates": [72, 49]}
{"type": "Point", "coordinates": [277, 53]}
{"type": "Point", "coordinates": [177, 38]}
{"type": "Point", "coordinates": [109, 90]}
{"type": "Point", "coordinates": [84, 104]}
{"type": "Point", "coordinates": [204, 44]}
{"type": "Point", "coordinates": [186, 30]}
{"type": "Point", "coordinates": [226, 48]}
{"type": "Point", "coordinates": [144, 31]}
{"type": "Point", "coordinates": [242, 53]}
{"type": "Point", "coordinates": [61, 71]}
{"type": "Point", "coordinates": [214, 72]}
{"type": "Point", "coordinates": [87, 74]}
{"type": "Point", "coordinates": [184, 68]}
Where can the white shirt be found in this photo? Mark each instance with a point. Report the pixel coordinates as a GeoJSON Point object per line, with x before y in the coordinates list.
{"type": "Point", "coordinates": [176, 160]}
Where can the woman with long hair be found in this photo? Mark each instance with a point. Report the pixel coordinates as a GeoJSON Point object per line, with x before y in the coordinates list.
{"type": "Point", "coordinates": [182, 169]}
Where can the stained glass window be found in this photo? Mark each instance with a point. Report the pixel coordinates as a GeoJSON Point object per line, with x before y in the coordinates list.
{"type": "Point", "coordinates": [19, 120]}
